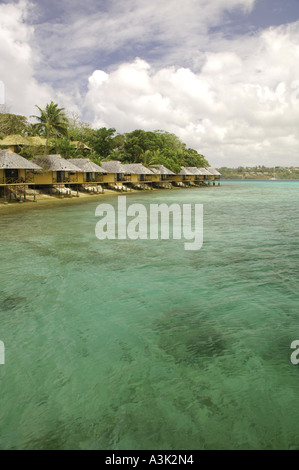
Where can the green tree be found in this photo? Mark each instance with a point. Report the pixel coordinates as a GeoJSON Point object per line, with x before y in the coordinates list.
{"type": "Point", "coordinates": [52, 121]}
{"type": "Point", "coordinates": [118, 150]}
{"type": "Point", "coordinates": [151, 157]}
{"type": "Point", "coordinates": [12, 124]}
{"type": "Point", "coordinates": [80, 131]}
{"type": "Point", "coordinates": [32, 131]}
{"type": "Point", "coordinates": [171, 142]}
{"type": "Point", "coordinates": [64, 147]}
{"type": "Point", "coordinates": [138, 142]}
{"type": "Point", "coordinates": [102, 141]}
{"type": "Point", "coordinates": [192, 158]}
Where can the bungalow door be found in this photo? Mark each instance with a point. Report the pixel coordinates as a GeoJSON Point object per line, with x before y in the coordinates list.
{"type": "Point", "coordinates": [60, 176]}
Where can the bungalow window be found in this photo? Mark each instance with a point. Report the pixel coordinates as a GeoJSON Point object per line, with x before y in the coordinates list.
{"type": "Point", "coordinates": [11, 174]}
{"type": "Point", "coordinates": [119, 177]}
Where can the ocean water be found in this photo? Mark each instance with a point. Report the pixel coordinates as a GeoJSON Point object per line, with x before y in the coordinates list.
{"type": "Point", "coordinates": [121, 344]}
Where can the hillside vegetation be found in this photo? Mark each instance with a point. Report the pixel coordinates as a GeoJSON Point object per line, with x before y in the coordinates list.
{"type": "Point", "coordinates": [60, 131]}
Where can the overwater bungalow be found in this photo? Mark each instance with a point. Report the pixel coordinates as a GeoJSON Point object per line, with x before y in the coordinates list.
{"type": "Point", "coordinates": [91, 176]}
{"type": "Point", "coordinates": [16, 173]}
{"type": "Point", "coordinates": [185, 177]}
{"type": "Point", "coordinates": [216, 175]}
{"type": "Point", "coordinates": [198, 176]}
{"type": "Point", "coordinates": [15, 169]}
{"type": "Point", "coordinates": [140, 176]}
{"type": "Point", "coordinates": [162, 177]}
{"type": "Point", "coordinates": [207, 175]}
{"type": "Point", "coordinates": [56, 170]}
{"type": "Point", "coordinates": [115, 175]}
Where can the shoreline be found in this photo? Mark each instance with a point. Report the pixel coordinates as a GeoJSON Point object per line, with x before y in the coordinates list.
{"type": "Point", "coordinates": [49, 201]}
{"type": "Point", "coordinates": [46, 201]}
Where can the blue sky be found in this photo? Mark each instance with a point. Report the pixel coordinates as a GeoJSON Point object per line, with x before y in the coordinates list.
{"type": "Point", "coordinates": [220, 74]}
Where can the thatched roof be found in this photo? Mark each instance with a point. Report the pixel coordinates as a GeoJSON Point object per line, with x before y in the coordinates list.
{"type": "Point", "coordinates": [205, 171]}
{"type": "Point", "coordinates": [114, 166]}
{"type": "Point", "coordinates": [161, 170]}
{"type": "Point", "coordinates": [14, 140]}
{"type": "Point", "coordinates": [13, 161]}
{"type": "Point", "coordinates": [55, 163]}
{"type": "Point", "coordinates": [213, 171]}
{"type": "Point", "coordinates": [194, 170]}
{"type": "Point", "coordinates": [87, 166]}
{"type": "Point", "coordinates": [136, 169]}
{"type": "Point", "coordinates": [34, 141]}
{"type": "Point", "coordinates": [79, 145]}
{"type": "Point", "coordinates": [187, 171]}
{"type": "Point", "coordinates": [37, 141]}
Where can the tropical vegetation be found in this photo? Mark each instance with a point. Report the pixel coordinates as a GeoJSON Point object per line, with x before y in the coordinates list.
{"type": "Point", "coordinates": [72, 138]}
{"type": "Point", "coordinates": [52, 122]}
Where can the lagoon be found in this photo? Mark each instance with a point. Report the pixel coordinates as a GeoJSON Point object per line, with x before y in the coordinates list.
{"type": "Point", "coordinates": [139, 344]}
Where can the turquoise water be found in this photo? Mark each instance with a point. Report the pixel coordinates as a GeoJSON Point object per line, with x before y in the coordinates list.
{"type": "Point", "coordinates": [143, 345]}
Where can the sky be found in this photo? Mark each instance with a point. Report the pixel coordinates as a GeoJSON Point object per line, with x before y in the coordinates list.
{"type": "Point", "coordinates": [220, 74]}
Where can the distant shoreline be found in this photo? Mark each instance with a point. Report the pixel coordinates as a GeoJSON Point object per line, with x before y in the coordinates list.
{"type": "Point", "coordinates": [259, 179]}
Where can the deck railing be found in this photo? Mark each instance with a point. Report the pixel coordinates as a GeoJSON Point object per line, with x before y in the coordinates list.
{"type": "Point", "coordinates": [29, 179]}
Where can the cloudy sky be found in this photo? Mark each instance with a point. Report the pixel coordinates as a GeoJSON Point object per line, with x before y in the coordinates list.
{"type": "Point", "coordinates": [223, 75]}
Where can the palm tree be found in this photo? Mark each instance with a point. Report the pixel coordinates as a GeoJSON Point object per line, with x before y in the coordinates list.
{"type": "Point", "coordinates": [32, 131]}
{"type": "Point", "coordinates": [52, 121]}
{"type": "Point", "coordinates": [149, 157]}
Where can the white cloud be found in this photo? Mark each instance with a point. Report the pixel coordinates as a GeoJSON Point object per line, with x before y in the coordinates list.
{"type": "Point", "coordinates": [235, 99]}
{"type": "Point", "coordinates": [242, 107]}
{"type": "Point", "coordinates": [17, 60]}
{"type": "Point", "coordinates": [170, 32]}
